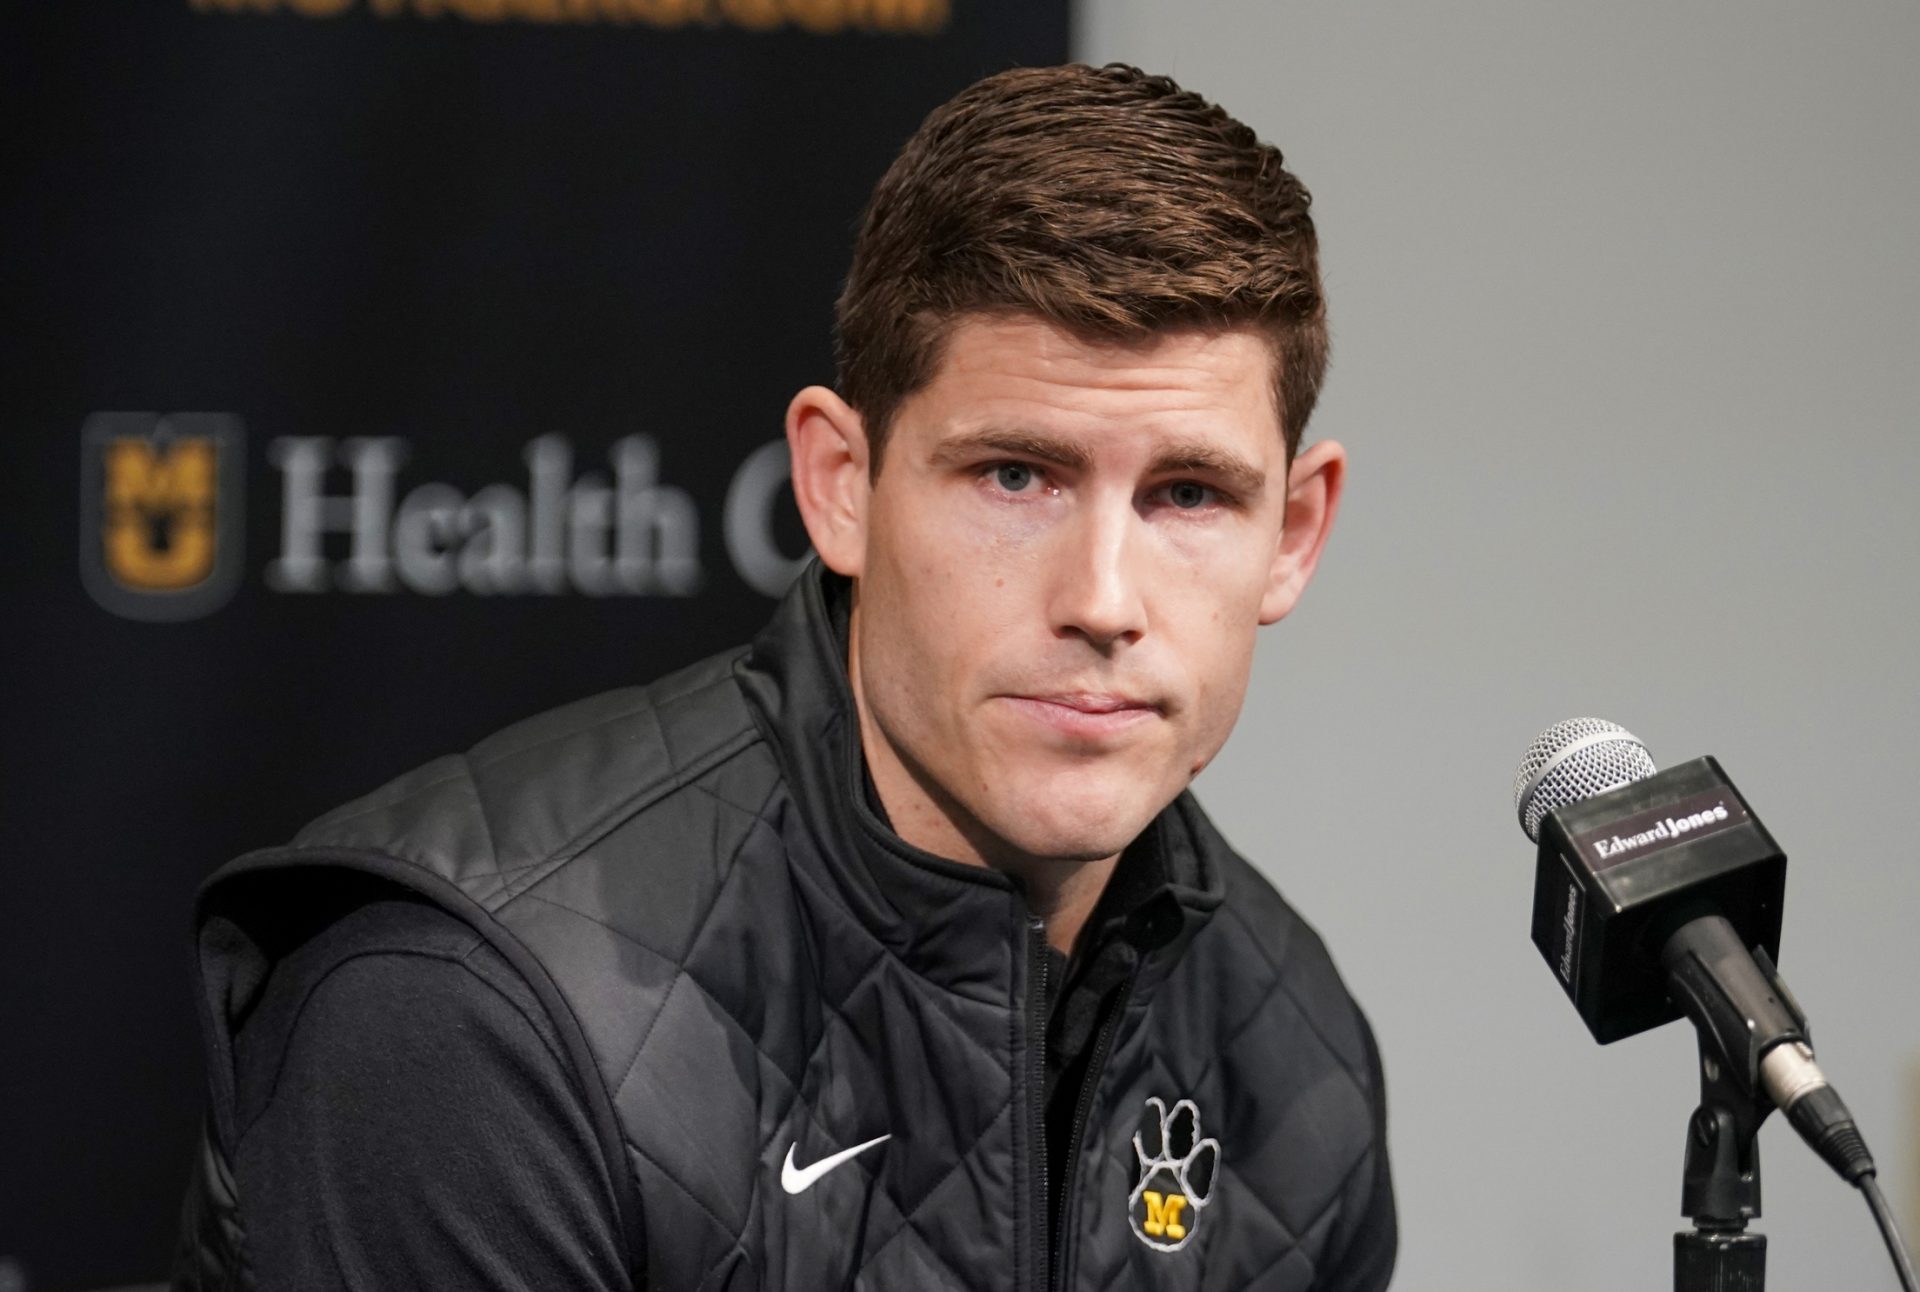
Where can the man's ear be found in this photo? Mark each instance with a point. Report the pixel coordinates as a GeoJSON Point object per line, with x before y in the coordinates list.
{"type": "Point", "coordinates": [827, 442]}
{"type": "Point", "coordinates": [1313, 496]}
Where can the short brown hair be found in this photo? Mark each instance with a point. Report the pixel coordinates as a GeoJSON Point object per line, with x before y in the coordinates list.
{"type": "Point", "coordinates": [1106, 201]}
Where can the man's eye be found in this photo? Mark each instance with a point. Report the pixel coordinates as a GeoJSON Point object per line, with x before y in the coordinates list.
{"type": "Point", "coordinates": [1014, 477]}
{"type": "Point", "coordinates": [1187, 495]}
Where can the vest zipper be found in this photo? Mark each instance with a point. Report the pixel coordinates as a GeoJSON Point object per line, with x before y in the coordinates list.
{"type": "Point", "coordinates": [1037, 1085]}
{"type": "Point", "coordinates": [1082, 1108]}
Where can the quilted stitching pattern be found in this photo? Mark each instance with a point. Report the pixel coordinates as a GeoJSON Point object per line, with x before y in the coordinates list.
{"type": "Point", "coordinates": [1281, 1143]}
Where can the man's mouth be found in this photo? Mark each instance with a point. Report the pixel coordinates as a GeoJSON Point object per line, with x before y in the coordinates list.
{"type": "Point", "coordinates": [1085, 714]}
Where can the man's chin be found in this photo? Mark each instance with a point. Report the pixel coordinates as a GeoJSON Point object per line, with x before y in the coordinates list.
{"type": "Point", "coordinates": [1076, 836]}
{"type": "Point", "coordinates": [1040, 808]}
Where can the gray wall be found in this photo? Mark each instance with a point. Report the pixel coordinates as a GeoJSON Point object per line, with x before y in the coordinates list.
{"type": "Point", "coordinates": [1626, 300]}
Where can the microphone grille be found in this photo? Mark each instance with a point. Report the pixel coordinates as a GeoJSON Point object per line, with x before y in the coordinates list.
{"type": "Point", "coordinates": [1573, 760]}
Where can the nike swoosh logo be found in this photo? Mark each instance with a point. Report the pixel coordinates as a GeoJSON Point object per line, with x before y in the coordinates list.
{"type": "Point", "coordinates": [799, 1179]}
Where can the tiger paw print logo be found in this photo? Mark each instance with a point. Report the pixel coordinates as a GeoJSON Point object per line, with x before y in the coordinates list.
{"type": "Point", "coordinates": [1176, 1175]}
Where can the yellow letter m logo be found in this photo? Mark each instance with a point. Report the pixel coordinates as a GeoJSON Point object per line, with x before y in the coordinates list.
{"type": "Point", "coordinates": [1163, 1215]}
{"type": "Point", "coordinates": [160, 502]}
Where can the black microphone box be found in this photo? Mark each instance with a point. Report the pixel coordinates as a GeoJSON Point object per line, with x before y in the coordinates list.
{"type": "Point", "coordinates": [1617, 873]}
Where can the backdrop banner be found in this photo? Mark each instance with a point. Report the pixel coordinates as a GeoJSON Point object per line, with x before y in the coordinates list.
{"type": "Point", "coordinates": [378, 372]}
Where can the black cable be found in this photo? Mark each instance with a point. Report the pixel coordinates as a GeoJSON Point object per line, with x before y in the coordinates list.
{"type": "Point", "coordinates": [1877, 1203]}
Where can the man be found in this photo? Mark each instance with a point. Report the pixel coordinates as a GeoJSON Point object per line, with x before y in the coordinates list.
{"type": "Point", "coordinates": [889, 952]}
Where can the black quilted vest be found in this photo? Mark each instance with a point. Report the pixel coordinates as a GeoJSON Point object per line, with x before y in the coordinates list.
{"type": "Point", "coordinates": [744, 961]}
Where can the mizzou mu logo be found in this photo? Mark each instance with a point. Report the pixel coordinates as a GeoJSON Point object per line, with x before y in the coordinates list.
{"type": "Point", "coordinates": [160, 512]}
{"type": "Point", "coordinates": [1176, 1175]}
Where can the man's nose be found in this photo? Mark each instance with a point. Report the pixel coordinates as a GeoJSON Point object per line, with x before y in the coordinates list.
{"type": "Point", "coordinates": [1099, 579]}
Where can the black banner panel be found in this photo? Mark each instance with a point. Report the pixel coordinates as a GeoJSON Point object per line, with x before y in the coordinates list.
{"type": "Point", "coordinates": [377, 372]}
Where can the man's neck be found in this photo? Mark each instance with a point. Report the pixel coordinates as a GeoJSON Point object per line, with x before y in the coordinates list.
{"type": "Point", "coordinates": [1067, 905]}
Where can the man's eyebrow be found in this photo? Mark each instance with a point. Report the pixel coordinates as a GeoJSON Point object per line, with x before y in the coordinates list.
{"type": "Point", "coordinates": [1240, 475]}
{"type": "Point", "coordinates": [1014, 443]}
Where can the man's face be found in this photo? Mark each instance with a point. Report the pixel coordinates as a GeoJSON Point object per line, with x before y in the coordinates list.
{"type": "Point", "coordinates": [1068, 550]}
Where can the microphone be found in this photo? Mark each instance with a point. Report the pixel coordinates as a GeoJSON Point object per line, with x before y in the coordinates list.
{"type": "Point", "coordinates": [1658, 893]}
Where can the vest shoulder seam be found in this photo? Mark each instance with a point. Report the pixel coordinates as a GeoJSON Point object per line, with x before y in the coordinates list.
{"type": "Point", "coordinates": [528, 874]}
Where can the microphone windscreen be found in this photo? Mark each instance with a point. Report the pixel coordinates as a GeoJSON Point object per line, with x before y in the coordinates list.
{"type": "Point", "coordinates": [1573, 760]}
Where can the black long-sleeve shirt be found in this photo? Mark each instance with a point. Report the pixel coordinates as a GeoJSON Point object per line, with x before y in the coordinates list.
{"type": "Point", "coordinates": [408, 1120]}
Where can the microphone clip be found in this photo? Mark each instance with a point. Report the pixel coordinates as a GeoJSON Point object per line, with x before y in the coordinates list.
{"type": "Point", "coordinates": [1740, 1010]}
